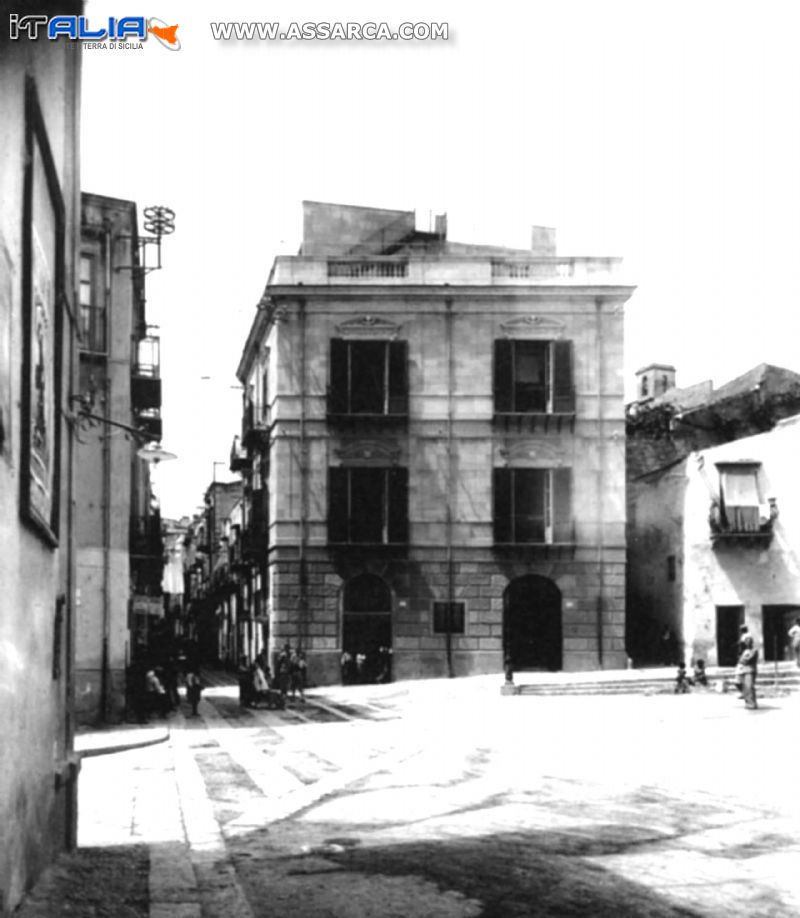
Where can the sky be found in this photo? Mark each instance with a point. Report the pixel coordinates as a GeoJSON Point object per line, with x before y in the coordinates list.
{"type": "Point", "coordinates": [665, 133]}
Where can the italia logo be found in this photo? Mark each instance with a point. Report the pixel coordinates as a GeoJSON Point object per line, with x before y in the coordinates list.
{"type": "Point", "coordinates": [78, 28]}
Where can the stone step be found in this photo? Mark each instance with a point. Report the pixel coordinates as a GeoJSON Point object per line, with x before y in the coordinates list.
{"type": "Point", "coordinates": [720, 679]}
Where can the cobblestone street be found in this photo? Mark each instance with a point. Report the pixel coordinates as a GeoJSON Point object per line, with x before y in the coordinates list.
{"type": "Point", "coordinates": [442, 799]}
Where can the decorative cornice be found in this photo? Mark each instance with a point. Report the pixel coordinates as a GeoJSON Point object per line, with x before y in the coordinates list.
{"type": "Point", "coordinates": [531, 452]}
{"type": "Point", "coordinates": [368, 452]}
{"type": "Point", "coordinates": [533, 327]}
{"type": "Point", "coordinates": [366, 326]}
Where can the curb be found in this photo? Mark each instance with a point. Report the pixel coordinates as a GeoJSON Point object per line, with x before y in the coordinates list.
{"type": "Point", "coordinates": [124, 747]}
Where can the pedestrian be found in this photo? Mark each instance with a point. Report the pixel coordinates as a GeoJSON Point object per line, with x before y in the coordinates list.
{"type": "Point", "coordinates": [347, 667]}
{"type": "Point", "coordinates": [748, 668]}
{"type": "Point", "coordinates": [194, 689]}
{"type": "Point", "coordinates": [794, 640]}
{"type": "Point", "coordinates": [681, 680]}
{"type": "Point", "coordinates": [744, 632]}
{"type": "Point", "coordinates": [699, 676]}
{"type": "Point", "coordinates": [260, 682]}
{"type": "Point", "coordinates": [245, 677]}
{"type": "Point", "coordinates": [157, 699]}
{"type": "Point", "coordinates": [282, 669]}
{"type": "Point", "coordinates": [297, 674]}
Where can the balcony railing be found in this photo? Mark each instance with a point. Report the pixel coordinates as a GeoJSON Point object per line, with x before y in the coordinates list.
{"type": "Point", "coordinates": [742, 524]}
{"type": "Point", "coordinates": [367, 268]}
{"type": "Point", "coordinates": [239, 458]}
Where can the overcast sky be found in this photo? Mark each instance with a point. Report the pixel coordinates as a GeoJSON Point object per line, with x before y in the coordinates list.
{"type": "Point", "coordinates": [667, 133]}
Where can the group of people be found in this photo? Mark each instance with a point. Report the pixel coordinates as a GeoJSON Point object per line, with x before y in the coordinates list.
{"type": "Point", "coordinates": [257, 684]}
{"type": "Point", "coordinates": [746, 669]}
{"type": "Point", "coordinates": [154, 687]}
{"type": "Point", "coordinates": [375, 667]}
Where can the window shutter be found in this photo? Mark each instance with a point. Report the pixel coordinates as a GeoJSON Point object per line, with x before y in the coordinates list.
{"type": "Point", "coordinates": [398, 505]}
{"type": "Point", "coordinates": [563, 383]}
{"type": "Point", "coordinates": [337, 393]}
{"type": "Point", "coordinates": [338, 505]}
{"type": "Point", "coordinates": [563, 526]}
{"type": "Point", "coordinates": [398, 377]}
{"type": "Point", "coordinates": [503, 375]}
{"type": "Point", "coordinates": [501, 513]}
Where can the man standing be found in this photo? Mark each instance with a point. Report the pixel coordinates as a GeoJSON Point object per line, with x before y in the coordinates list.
{"type": "Point", "coordinates": [748, 668]}
{"type": "Point", "coordinates": [794, 640]}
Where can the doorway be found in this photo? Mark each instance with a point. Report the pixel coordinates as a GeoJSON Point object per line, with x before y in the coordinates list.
{"type": "Point", "coordinates": [532, 631]}
{"type": "Point", "coordinates": [729, 618]}
{"type": "Point", "coordinates": [777, 620]}
{"type": "Point", "coordinates": [367, 630]}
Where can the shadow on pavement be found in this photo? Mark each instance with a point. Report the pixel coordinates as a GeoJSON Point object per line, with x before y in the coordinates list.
{"type": "Point", "coordinates": [506, 875]}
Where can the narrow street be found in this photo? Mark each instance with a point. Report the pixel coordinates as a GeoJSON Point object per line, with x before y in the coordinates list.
{"type": "Point", "coordinates": [443, 799]}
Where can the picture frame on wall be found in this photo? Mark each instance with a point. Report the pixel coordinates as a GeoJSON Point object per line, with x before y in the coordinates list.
{"type": "Point", "coordinates": [43, 307]}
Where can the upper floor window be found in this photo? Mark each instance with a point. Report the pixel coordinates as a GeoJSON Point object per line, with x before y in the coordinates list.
{"type": "Point", "coordinates": [368, 377]}
{"type": "Point", "coordinates": [533, 377]}
{"type": "Point", "coordinates": [741, 509]}
{"type": "Point", "coordinates": [368, 505]}
{"type": "Point", "coordinates": [92, 312]}
{"type": "Point", "coordinates": [533, 506]}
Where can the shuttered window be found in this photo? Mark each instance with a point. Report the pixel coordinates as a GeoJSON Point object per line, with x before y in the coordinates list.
{"type": "Point", "coordinates": [368, 377]}
{"type": "Point", "coordinates": [368, 505]}
{"type": "Point", "coordinates": [532, 506]}
{"type": "Point", "coordinates": [533, 377]}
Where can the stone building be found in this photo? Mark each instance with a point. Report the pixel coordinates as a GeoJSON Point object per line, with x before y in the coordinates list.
{"type": "Point", "coordinates": [685, 446]}
{"type": "Point", "coordinates": [433, 451]}
{"type": "Point", "coordinates": [39, 243]}
{"type": "Point", "coordinates": [117, 523]}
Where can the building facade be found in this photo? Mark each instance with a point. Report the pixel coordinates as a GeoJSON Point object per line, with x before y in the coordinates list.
{"type": "Point", "coordinates": [433, 451]}
{"type": "Point", "coordinates": [696, 567]}
{"type": "Point", "coordinates": [117, 523]}
{"type": "Point", "coordinates": [39, 243]}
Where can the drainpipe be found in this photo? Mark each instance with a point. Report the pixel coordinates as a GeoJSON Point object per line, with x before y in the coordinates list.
{"type": "Point", "coordinates": [450, 482]}
{"type": "Point", "coordinates": [105, 686]}
{"type": "Point", "coordinates": [302, 602]}
{"type": "Point", "coordinates": [601, 454]}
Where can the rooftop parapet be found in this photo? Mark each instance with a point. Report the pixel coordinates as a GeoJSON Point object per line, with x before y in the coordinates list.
{"type": "Point", "coordinates": [517, 270]}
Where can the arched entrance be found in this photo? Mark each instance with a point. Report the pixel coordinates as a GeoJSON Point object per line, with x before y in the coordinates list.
{"type": "Point", "coordinates": [532, 623]}
{"type": "Point", "coordinates": [366, 630]}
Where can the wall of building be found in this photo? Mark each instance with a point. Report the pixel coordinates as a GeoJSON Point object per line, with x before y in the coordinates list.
{"type": "Point", "coordinates": [38, 771]}
{"type": "Point", "coordinates": [449, 403]}
{"type": "Point", "coordinates": [654, 583]}
{"type": "Point", "coordinates": [103, 479]}
{"type": "Point", "coordinates": [749, 573]}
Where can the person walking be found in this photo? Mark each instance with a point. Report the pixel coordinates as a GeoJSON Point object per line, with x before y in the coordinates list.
{"type": "Point", "coordinates": [297, 674]}
{"type": "Point", "coordinates": [194, 689]}
{"type": "Point", "coordinates": [748, 669]}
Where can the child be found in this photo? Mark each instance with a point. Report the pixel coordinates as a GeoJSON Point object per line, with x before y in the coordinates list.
{"type": "Point", "coordinates": [699, 676]}
{"type": "Point", "coordinates": [681, 682]}
{"type": "Point", "coordinates": [194, 688]}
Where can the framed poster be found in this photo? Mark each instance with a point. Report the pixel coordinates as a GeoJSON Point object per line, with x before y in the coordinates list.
{"type": "Point", "coordinates": [42, 328]}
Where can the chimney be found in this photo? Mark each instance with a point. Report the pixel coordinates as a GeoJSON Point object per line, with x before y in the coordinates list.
{"type": "Point", "coordinates": [543, 241]}
{"type": "Point", "coordinates": [440, 226]}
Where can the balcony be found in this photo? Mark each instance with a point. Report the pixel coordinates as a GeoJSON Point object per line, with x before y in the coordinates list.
{"type": "Point", "coordinates": [239, 461]}
{"type": "Point", "coordinates": [393, 411]}
{"type": "Point", "coordinates": [145, 537]}
{"type": "Point", "coordinates": [742, 525]}
{"type": "Point", "coordinates": [149, 422]}
{"type": "Point", "coordinates": [255, 430]}
{"type": "Point", "coordinates": [145, 372]}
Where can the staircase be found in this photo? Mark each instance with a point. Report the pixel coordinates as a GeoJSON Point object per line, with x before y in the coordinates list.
{"type": "Point", "coordinates": [785, 677]}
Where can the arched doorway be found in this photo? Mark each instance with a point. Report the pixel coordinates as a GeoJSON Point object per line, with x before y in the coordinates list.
{"type": "Point", "coordinates": [532, 623]}
{"type": "Point", "coordinates": [367, 629]}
